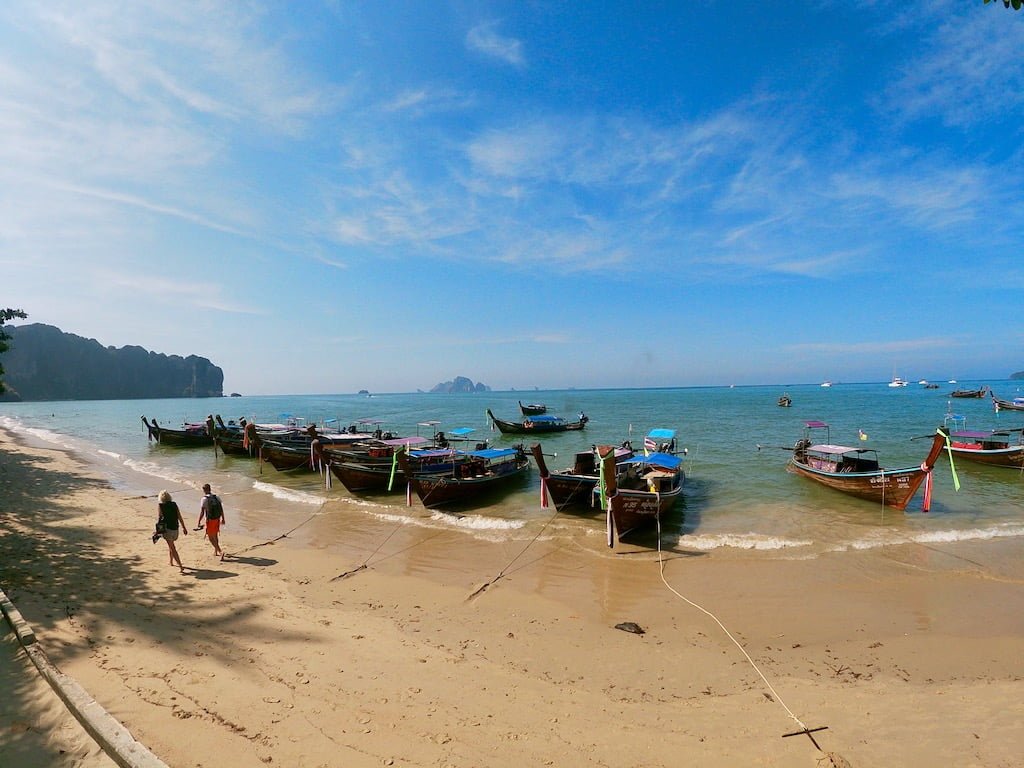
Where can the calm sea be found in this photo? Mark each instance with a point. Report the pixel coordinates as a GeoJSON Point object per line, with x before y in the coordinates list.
{"type": "Point", "coordinates": [737, 497]}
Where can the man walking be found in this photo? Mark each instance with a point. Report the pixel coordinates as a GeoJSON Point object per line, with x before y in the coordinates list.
{"type": "Point", "coordinates": [213, 511]}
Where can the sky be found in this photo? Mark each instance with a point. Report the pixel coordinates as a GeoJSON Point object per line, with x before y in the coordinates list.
{"type": "Point", "coordinates": [328, 196]}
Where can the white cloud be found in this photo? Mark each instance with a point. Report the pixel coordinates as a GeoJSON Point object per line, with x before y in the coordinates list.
{"type": "Point", "coordinates": [485, 39]}
{"type": "Point", "coordinates": [967, 70]}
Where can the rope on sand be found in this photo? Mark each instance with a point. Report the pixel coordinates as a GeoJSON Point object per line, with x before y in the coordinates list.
{"type": "Point", "coordinates": [508, 565]}
{"type": "Point", "coordinates": [366, 563]}
{"type": "Point", "coordinates": [804, 730]}
{"type": "Point", "coordinates": [363, 565]}
{"type": "Point", "coordinates": [283, 535]}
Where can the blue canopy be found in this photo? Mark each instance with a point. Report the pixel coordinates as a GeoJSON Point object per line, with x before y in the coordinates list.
{"type": "Point", "coordinates": [460, 431]}
{"type": "Point", "coordinates": [494, 453]}
{"type": "Point", "coordinates": [666, 460]}
{"type": "Point", "coordinates": [545, 419]}
{"type": "Point", "coordinates": [662, 434]}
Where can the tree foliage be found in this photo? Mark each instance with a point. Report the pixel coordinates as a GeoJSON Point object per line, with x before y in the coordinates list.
{"type": "Point", "coordinates": [1007, 3]}
{"type": "Point", "coordinates": [5, 315]}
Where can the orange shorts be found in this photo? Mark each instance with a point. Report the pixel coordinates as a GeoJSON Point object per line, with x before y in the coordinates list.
{"type": "Point", "coordinates": [213, 527]}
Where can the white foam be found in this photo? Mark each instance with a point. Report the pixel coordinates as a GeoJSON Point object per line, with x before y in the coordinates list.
{"type": "Point", "coordinates": [477, 522]}
{"type": "Point", "coordinates": [155, 470]}
{"type": "Point", "coordinates": [111, 454]}
{"type": "Point", "coordinates": [708, 542]}
{"type": "Point", "coordinates": [286, 494]}
{"type": "Point", "coordinates": [1007, 530]}
{"type": "Point", "coordinates": [46, 435]}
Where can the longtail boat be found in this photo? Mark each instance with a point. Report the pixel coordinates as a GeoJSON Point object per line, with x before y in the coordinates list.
{"type": "Point", "coordinates": [470, 481]}
{"type": "Point", "coordinates": [532, 409]}
{"type": "Point", "coordinates": [245, 437]}
{"type": "Point", "coordinates": [856, 471]}
{"type": "Point", "coordinates": [785, 401]}
{"type": "Point", "coordinates": [996, 448]}
{"type": "Point", "coordinates": [189, 436]}
{"type": "Point", "coordinates": [1017, 404]}
{"type": "Point", "coordinates": [573, 486]}
{"type": "Point", "coordinates": [970, 393]}
{"type": "Point", "coordinates": [638, 491]}
{"type": "Point", "coordinates": [532, 425]}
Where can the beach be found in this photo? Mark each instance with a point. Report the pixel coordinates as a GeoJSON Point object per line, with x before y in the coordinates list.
{"type": "Point", "coordinates": [348, 641]}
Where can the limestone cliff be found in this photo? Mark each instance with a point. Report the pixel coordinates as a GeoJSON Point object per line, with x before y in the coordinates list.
{"type": "Point", "coordinates": [45, 363]}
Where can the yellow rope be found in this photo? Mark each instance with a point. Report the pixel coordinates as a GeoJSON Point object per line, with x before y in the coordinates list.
{"type": "Point", "coordinates": [661, 566]}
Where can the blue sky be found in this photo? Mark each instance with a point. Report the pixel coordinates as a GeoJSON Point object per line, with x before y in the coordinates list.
{"type": "Point", "coordinates": [329, 196]}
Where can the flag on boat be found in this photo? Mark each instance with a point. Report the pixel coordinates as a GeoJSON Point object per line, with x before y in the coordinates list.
{"type": "Point", "coordinates": [649, 444]}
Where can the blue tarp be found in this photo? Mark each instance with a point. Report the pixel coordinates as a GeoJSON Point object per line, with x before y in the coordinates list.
{"type": "Point", "coordinates": [460, 431]}
{"type": "Point", "coordinates": [545, 419]}
{"type": "Point", "coordinates": [666, 460]}
{"type": "Point", "coordinates": [662, 434]}
{"type": "Point", "coordinates": [494, 453]}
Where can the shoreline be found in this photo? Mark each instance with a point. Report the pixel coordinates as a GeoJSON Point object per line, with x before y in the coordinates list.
{"type": "Point", "coordinates": [909, 656]}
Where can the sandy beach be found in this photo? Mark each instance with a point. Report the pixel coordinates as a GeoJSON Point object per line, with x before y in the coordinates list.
{"type": "Point", "coordinates": [909, 656]}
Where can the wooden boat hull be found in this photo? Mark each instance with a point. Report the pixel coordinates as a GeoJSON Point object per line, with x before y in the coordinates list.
{"type": "Point", "coordinates": [360, 478]}
{"type": "Point", "coordinates": [232, 444]}
{"type": "Point", "coordinates": [463, 487]}
{"type": "Point", "coordinates": [535, 428]}
{"type": "Point", "coordinates": [573, 487]}
{"type": "Point", "coordinates": [892, 487]}
{"type": "Point", "coordinates": [631, 510]}
{"type": "Point", "coordinates": [181, 438]}
{"type": "Point", "coordinates": [969, 394]}
{"type": "Point", "coordinates": [376, 476]}
{"type": "Point", "coordinates": [1012, 457]}
{"type": "Point", "coordinates": [1006, 405]}
{"type": "Point", "coordinates": [532, 409]}
{"type": "Point", "coordinates": [287, 457]}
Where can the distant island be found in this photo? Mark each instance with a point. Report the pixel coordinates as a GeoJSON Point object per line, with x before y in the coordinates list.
{"type": "Point", "coordinates": [45, 363]}
{"type": "Point", "coordinates": [1017, 375]}
{"type": "Point", "coordinates": [458, 385]}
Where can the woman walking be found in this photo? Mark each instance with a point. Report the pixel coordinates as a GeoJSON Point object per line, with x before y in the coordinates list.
{"type": "Point", "coordinates": [170, 517]}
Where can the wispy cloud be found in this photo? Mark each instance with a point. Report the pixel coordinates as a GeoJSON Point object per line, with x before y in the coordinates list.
{"type": "Point", "coordinates": [194, 294]}
{"type": "Point", "coordinates": [484, 38]}
{"type": "Point", "coordinates": [879, 347]}
{"type": "Point", "coordinates": [967, 70]}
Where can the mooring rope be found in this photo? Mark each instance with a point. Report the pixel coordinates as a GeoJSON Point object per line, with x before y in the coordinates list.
{"type": "Point", "coordinates": [508, 565]}
{"type": "Point", "coordinates": [283, 535]}
{"type": "Point", "coordinates": [706, 612]}
{"type": "Point", "coordinates": [369, 557]}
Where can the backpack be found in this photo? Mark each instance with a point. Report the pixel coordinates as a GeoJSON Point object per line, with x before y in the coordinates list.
{"type": "Point", "coordinates": [214, 509]}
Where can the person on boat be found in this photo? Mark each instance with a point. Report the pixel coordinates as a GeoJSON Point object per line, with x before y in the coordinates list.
{"type": "Point", "coordinates": [212, 509]}
{"type": "Point", "coordinates": [169, 518]}
{"type": "Point", "coordinates": [583, 418]}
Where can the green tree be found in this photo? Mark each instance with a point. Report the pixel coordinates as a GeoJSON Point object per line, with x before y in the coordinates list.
{"type": "Point", "coordinates": [1007, 3]}
{"type": "Point", "coordinates": [5, 315]}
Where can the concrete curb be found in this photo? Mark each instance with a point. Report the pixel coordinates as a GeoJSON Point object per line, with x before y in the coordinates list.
{"type": "Point", "coordinates": [112, 737]}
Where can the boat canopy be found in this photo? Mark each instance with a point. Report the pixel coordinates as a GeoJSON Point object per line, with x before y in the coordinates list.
{"type": "Point", "coordinates": [427, 453]}
{"type": "Point", "coordinates": [666, 460]}
{"type": "Point", "coordinates": [662, 434]}
{"type": "Point", "coordinates": [829, 448]}
{"type": "Point", "coordinates": [413, 440]}
{"type": "Point", "coordinates": [815, 424]}
{"type": "Point", "coordinates": [546, 419]}
{"type": "Point", "coordinates": [461, 431]}
{"type": "Point", "coordinates": [494, 453]}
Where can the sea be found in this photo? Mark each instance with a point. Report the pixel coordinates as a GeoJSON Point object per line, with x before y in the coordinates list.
{"type": "Point", "coordinates": [738, 497]}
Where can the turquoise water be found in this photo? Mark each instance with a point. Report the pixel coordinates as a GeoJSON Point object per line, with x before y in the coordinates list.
{"type": "Point", "coordinates": [737, 498]}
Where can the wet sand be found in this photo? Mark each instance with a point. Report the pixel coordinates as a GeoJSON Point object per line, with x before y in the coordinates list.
{"type": "Point", "coordinates": [911, 656]}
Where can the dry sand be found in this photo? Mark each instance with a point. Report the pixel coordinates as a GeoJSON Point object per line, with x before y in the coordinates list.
{"type": "Point", "coordinates": [910, 656]}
